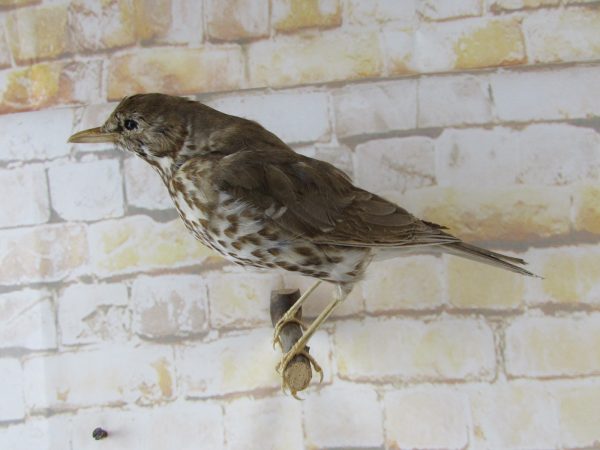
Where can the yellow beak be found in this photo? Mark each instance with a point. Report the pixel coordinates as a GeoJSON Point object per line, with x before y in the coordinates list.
{"type": "Point", "coordinates": [93, 136]}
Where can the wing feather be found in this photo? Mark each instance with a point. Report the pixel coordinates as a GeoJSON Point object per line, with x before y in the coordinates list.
{"type": "Point", "coordinates": [320, 202]}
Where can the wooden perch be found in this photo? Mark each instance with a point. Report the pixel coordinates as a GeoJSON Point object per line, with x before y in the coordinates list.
{"type": "Point", "coordinates": [298, 373]}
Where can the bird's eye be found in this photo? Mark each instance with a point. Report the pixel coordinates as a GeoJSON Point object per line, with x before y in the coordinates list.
{"type": "Point", "coordinates": [130, 124]}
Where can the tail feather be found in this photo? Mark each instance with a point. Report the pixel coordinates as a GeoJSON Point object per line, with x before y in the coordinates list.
{"type": "Point", "coordinates": [486, 256]}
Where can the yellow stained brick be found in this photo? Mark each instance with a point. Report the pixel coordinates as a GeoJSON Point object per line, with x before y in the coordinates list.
{"type": "Point", "coordinates": [46, 84]}
{"type": "Point", "coordinates": [409, 282]}
{"type": "Point", "coordinates": [508, 5]}
{"type": "Point", "coordinates": [509, 214]}
{"type": "Point", "coordinates": [139, 243]}
{"type": "Point", "coordinates": [237, 19]}
{"type": "Point", "coordinates": [579, 415]}
{"type": "Point", "coordinates": [291, 15]}
{"type": "Point", "coordinates": [4, 52]}
{"type": "Point", "coordinates": [560, 278]}
{"type": "Point", "coordinates": [299, 59]}
{"type": "Point", "coordinates": [513, 416]}
{"type": "Point", "coordinates": [587, 208]}
{"type": "Point", "coordinates": [37, 33]}
{"type": "Point", "coordinates": [175, 71]}
{"type": "Point", "coordinates": [17, 2]}
{"type": "Point", "coordinates": [475, 285]}
{"type": "Point", "coordinates": [493, 43]}
{"type": "Point", "coordinates": [570, 276]}
{"type": "Point", "coordinates": [32, 87]}
{"type": "Point", "coordinates": [553, 346]}
{"type": "Point", "coordinates": [564, 35]}
{"type": "Point", "coordinates": [152, 18]}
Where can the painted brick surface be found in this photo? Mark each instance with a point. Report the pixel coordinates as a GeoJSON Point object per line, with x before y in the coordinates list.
{"type": "Point", "coordinates": [479, 115]}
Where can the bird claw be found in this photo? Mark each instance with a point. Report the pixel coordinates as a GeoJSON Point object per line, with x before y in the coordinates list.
{"type": "Point", "coordinates": [279, 327]}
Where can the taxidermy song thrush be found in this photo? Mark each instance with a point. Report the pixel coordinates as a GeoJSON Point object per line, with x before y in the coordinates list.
{"type": "Point", "coordinates": [247, 195]}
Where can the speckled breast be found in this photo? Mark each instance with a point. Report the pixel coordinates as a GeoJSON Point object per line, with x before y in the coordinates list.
{"type": "Point", "coordinates": [249, 237]}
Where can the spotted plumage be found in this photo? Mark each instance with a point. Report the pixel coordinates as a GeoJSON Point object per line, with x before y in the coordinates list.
{"type": "Point", "coordinates": [244, 193]}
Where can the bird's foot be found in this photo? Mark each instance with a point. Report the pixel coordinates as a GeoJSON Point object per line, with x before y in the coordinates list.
{"type": "Point", "coordinates": [296, 350]}
{"type": "Point", "coordinates": [282, 323]}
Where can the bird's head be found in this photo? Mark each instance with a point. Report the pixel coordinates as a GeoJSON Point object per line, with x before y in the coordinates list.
{"type": "Point", "coordinates": [152, 126]}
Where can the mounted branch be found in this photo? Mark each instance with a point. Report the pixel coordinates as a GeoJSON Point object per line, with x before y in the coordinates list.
{"type": "Point", "coordinates": [298, 373]}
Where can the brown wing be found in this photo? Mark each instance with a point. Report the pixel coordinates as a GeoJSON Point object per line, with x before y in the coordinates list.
{"type": "Point", "coordinates": [318, 201]}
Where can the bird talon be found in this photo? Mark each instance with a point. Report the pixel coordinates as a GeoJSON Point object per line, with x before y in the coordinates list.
{"type": "Point", "coordinates": [279, 327]}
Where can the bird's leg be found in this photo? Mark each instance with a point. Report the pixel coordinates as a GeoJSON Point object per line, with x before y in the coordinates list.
{"type": "Point", "coordinates": [290, 315]}
{"type": "Point", "coordinates": [299, 346]}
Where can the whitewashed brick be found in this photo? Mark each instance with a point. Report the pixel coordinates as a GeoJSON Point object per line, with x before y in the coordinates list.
{"type": "Point", "coordinates": [307, 121]}
{"type": "Point", "coordinates": [570, 34]}
{"type": "Point", "coordinates": [396, 164]}
{"type": "Point", "coordinates": [402, 349]}
{"type": "Point", "coordinates": [12, 406]}
{"type": "Point", "coordinates": [105, 376]}
{"type": "Point", "coordinates": [87, 191]}
{"type": "Point", "coordinates": [525, 96]}
{"type": "Point", "coordinates": [406, 282]}
{"type": "Point", "coordinates": [240, 363]}
{"type": "Point", "coordinates": [553, 346]}
{"type": "Point", "coordinates": [361, 12]}
{"type": "Point", "coordinates": [27, 320]}
{"type": "Point", "coordinates": [187, 25]}
{"type": "Point", "coordinates": [557, 154]}
{"type": "Point", "coordinates": [342, 417]}
{"type": "Point", "coordinates": [449, 9]}
{"type": "Point", "coordinates": [540, 154]}
{"type": "Point", "coordinates": [579, 414]}
{"type": "Point", "coordinates": [241, 299]}
{"type": "Point", "coordinates": [264, 423]}
{"type": "Point", "coordinates": [399, 44]}
{"type": "Point", "coordinates": [454, 100]}
{"type": "Point", "coordinates": [144, 187]}
{"type": "Point", "coordinates": [513, 416]}
{"type": "Point", "coordinates": [44, 253]}
{"type": "Point", "coordinates": [24, 196]}
{"type": "Point", "coordinates": [375, 108]}
{"type": "Point", "coordinates": [179, 425]}
{"type": "Point", "coordinates": [47, 433]}
{"type": "Point", "coordinates": [426, 417]}
{"type": "Point", "coordinates": [231, 364]}
{"type": "Point", "coordinates": [93, 313]}
{"type": "Point", "coordinates": [477, 157]}
{"type": "Point", "coordinates": [35, 135]}
{"type": "Point", "coordinates": [169, 305]}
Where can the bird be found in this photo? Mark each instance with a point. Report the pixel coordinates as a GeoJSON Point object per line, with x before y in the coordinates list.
{"type": "Point", "coordinates": [246, 194]}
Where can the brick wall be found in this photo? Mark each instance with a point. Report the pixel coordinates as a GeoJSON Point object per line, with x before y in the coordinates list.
{"type": "Point", "coordinates": [479, 114]}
